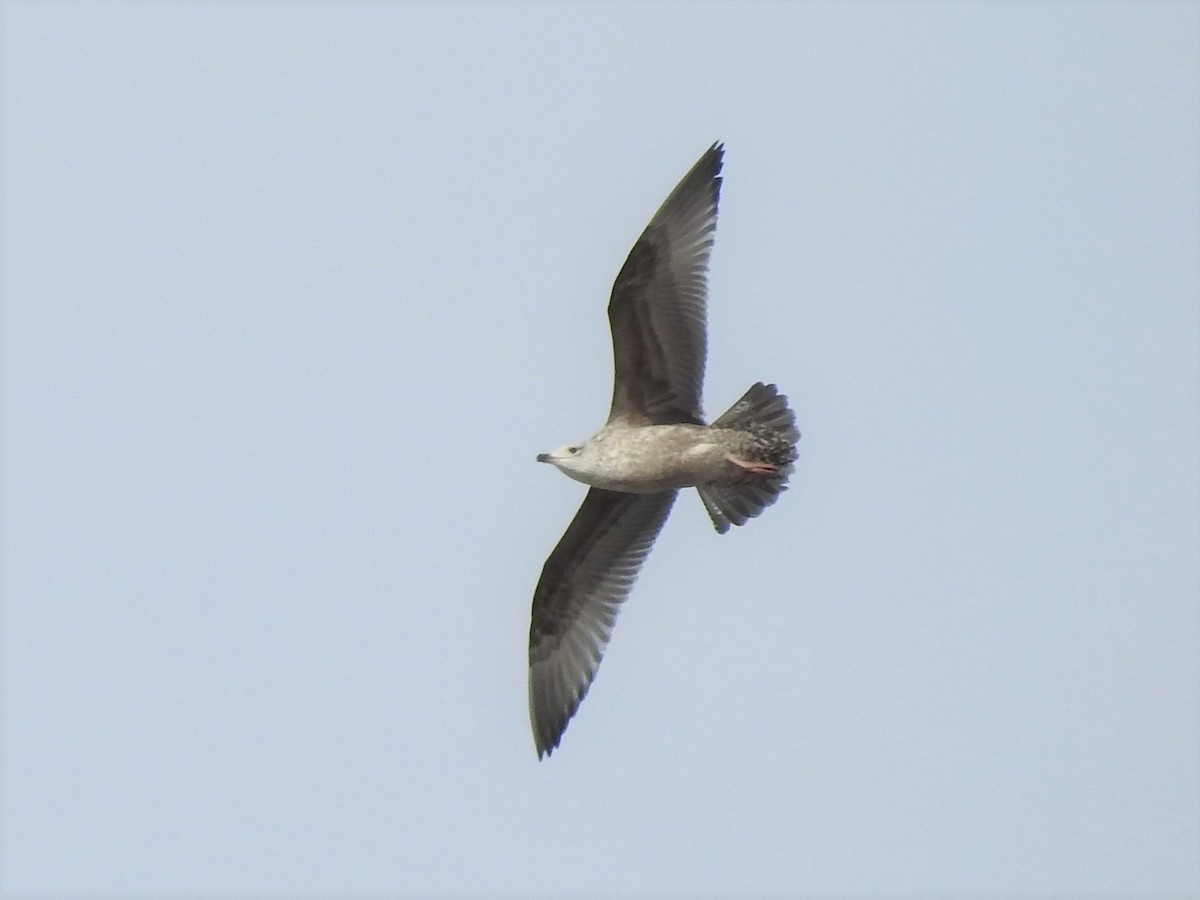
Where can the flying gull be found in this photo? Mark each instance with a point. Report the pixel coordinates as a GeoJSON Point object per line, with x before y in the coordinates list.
{"type": "Point", "coordinates": [654, 443]}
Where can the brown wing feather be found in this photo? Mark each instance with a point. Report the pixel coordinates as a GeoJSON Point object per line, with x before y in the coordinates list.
{"type": "Point", "coordinates": [583, 584]}
{"type": "Point", "coordinates": [657, 309]}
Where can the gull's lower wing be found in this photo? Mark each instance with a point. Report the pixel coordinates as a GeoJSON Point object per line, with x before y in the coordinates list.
{"type": "Point", "coordinates": [657, 310]}
{"type": "Point", "coordinates": [583, 584]}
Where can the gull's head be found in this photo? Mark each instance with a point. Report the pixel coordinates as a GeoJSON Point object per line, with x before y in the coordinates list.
{"type": "Point", "coordinates": [563, 457]}
{"type": "Point", "coordinates": [573, 460]}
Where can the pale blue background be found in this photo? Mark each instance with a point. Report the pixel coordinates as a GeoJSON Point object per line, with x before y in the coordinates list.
{"type": "Point", "coordinates": [294, 293]}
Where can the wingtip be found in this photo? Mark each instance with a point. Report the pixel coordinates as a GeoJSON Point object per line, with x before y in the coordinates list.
{"type": "Point", "coordinates": [546, 744]}
{"type": "Point", "coordinates": [717, 152]}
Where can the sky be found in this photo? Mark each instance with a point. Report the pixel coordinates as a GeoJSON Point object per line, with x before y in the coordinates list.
{"type": "Point", "coordinates": [293, 294]}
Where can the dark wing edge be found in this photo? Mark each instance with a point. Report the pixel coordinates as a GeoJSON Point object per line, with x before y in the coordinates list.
{"type": "Point", "coordinates": [583, 584]}
{"type": "Point", "coordinates": [657, 311]}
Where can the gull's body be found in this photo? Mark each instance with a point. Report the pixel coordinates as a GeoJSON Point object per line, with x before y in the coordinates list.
{"type": "Point", "coordinates": [647, 459]}
{"type": "Point", "coordinates": [654, 443]}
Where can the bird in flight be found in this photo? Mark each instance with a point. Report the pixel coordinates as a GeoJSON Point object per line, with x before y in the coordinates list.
{"type": "Point", "coordinates": [654, 443]}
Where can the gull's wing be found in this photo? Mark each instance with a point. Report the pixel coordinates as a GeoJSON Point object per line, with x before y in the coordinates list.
{"type": "Point", "coordinates": [583, 584]}
{"type": "Point", "coordinates": [657, 310]}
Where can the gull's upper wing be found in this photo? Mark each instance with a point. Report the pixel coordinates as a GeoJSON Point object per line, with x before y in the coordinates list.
{"type": "Point", "coordinates": [657, 310]}
{"type": "Point", "coordinates": [583, 584]}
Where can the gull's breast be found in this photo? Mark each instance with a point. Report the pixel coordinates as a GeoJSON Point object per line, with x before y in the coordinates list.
{"type": "Point", "coordinates": [652, 458]}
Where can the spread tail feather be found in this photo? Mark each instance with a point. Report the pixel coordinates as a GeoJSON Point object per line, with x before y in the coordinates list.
{"type": "Point", "coordinates": [763, 414]}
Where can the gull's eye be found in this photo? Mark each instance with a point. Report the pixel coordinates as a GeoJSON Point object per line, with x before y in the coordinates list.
{"type": "Point", "coordinates": [574, 451]}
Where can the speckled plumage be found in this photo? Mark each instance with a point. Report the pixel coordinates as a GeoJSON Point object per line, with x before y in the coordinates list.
{"type": "Point", "coordinates": [646, 459]}
{"type": "Point", "coordinates": [654, 444]}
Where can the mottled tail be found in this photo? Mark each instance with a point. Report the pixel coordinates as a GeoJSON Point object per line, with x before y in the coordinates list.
{"type": "Point", "coordinates": [769, 426]}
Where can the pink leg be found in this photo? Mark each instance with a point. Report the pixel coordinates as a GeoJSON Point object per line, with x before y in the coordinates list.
{"type": "Point", "coordinates": [754, 469]}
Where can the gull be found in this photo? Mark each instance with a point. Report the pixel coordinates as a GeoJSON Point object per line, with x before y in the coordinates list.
{"type": "Point", "coordinates": [654, 443]}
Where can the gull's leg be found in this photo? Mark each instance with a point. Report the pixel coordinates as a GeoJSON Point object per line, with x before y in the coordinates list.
{"type": "Point", "coordinates": [753, 468]}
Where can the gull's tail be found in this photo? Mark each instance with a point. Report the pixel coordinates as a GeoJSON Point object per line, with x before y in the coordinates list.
{"type": "Point", "coordinates": [767, 427]}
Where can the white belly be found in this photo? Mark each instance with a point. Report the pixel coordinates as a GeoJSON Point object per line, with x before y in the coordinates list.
{"type": "Point", "coordinates": [651, 459]}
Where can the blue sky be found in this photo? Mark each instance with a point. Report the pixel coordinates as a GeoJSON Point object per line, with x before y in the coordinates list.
{"type": "Point", "coordinates": [294, 293]}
